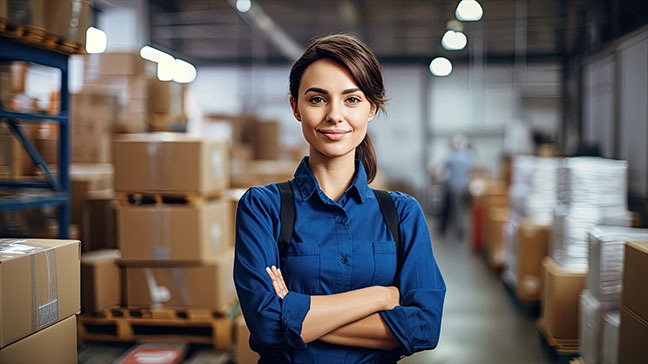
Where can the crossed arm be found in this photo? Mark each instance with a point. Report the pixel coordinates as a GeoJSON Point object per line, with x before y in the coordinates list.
{"type": "Point", "coordinates": [349, 318]}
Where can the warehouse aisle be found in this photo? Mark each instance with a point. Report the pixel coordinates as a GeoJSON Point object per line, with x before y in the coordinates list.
{"type": "Point", "coordinates": [481, 323]}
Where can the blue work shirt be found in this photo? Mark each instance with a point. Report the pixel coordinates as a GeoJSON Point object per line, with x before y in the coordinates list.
{"type": "Point", "coordinates": [336, 247]}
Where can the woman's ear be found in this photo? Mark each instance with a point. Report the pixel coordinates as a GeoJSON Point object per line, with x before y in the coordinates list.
{"type": "Point", "coordinates": [295, 110]}
{"type": "Point", "coordinates": [373, 111]}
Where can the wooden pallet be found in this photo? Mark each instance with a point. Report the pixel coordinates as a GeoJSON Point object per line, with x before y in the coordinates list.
{"type": "Point", "coordinates": [39, 37]}
{"type": "Point", "coordinates": [561, 351]}
{"type": "Point", "coordinates": [215, 331]}
{"type": "Point", "coordinates": [160, 313]}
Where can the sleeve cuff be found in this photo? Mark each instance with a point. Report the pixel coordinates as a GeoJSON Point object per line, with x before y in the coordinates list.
{"type": "Point", "coordinates": [294, 308]}
{"type": "Point", "coordinates": [394, 319]}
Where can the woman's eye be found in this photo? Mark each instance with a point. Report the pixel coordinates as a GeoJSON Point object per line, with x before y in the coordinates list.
{"type": "Point", "coordinates": [353, 100]}
{"type": "Point", "coordinates": [317, 99]}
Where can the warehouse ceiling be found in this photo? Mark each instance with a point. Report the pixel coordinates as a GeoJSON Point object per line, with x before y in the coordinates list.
{"type": "Point", "coordinates": [400, 31]}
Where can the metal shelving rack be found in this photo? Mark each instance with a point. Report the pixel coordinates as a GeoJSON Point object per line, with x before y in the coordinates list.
{"type": "Point", "coordinates": [54, 190]}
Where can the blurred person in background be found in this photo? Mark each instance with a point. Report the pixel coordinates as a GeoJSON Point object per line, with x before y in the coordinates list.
{"type": "Point", "coordinates": [341, 291]}
{"type": "Point", "coordinates": [456, 174]}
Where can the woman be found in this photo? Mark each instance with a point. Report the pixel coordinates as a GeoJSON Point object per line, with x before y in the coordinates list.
{"type": "Point", "coordinates": [332, 298]}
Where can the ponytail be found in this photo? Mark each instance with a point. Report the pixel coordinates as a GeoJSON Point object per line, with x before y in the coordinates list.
{"type": "Point", "coordinates": [367, 155]}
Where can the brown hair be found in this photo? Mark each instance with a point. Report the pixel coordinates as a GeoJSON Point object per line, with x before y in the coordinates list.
{"type": "Point", "coordinates": [363, 65]}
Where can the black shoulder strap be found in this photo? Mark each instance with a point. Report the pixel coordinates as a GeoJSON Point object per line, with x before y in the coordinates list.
{"type": "Point", "coordinates": [388, 209]}
{"type": "Point", "coordinates": [286, 216]}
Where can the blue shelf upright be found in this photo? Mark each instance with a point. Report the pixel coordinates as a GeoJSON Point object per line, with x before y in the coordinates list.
{"type": "Point", "coordinates": [55, 190]}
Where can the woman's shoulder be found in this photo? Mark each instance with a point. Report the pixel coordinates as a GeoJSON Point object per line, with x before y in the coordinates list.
{"type": "Point", "coordinates": [264, 194]}
{"type": "Point", "coordinates": [405, 203]}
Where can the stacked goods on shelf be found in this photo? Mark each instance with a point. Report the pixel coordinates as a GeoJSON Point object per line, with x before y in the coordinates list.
{"type": "Point", "coordinates": [591, 191]}
{"type": "Point", "coordinates": [487, 193]}
{"type": "Point", "coordinates": [175, 234]}
{"type": "Point", "coordinates": [533, 197]}
{"type": "Point", "coordinates": [92, 119]}
{"type": "Point", "coordinates": [100, 280]}
{"type": "Point", "coordinates": [633, 329]}
{"type": "Point", "coordinates": [39, 298]}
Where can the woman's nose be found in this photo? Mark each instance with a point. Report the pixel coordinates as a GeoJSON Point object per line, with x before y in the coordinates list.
{"type": "Point", "coordinates": [334, 113]}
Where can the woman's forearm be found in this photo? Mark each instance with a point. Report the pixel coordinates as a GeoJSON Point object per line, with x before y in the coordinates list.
{"type": "Point", "coordinates": [330, 312]}
{"type": "Point", "coordinates": [370, 332]}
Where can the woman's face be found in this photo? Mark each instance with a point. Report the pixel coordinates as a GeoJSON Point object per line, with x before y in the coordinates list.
{"type": "Point", "coordinates": [332, 109]}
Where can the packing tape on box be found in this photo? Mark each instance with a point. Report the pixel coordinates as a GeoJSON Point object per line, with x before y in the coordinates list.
{"type": "Point", "coordinates": [153, 151]}
{"type": "Point", "coordinates": [161, 233]}
{"type": "Point", "coordinates": [47, 313]}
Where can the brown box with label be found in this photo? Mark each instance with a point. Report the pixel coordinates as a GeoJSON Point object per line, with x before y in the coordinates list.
{"type": "Point", "coordinates": [560, 300]}
{"type": "Point", "coordinates": [100, 280]}
{"type": "Point", "coordinates": [68, 19]}
{"type": "Point", "coordinates": [635, 278]}
{"type": "Point", "coordinates": [179, 233]}
{"type": "Point", "coordinates": [170, 163]}
{"type": "Point", "coordinates": [207, 285]}
{"type": "Point", "coordinates": [54, 344]}
{"type": "Point", "coordinates": [532, 247]}
{"type": "Point", "coordinates": [39, 285]}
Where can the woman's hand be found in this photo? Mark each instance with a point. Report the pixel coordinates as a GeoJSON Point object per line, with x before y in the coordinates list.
{"type": "Point", "coordinates": [277, 281]}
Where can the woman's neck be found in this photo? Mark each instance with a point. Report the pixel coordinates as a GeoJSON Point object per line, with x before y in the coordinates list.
{"type": "Point", "coordinates": [334, 175]}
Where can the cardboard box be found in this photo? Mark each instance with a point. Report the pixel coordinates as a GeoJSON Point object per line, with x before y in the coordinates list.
{"type": "Point", "coordinates": [266, 139]}
{"type": "Point", "coordinates": [39, 285]}
{"type": "Point", "coordinates": [208, 285]}
{"type": "Point", "coordinates": [561, 293]}
{"type": "Point", "coordinates": [633, 335]}
{"type": "Point", "coordinates": [495, 220]}
{"type": "Point", "coordinates": [170, 163]}
{"type": "Point", "coordinates": [178, 233]}
{"type": "Point", "coordinates": [29, 12]}
{"type": "Point", "coordinates": [56, 344]}
{"type": "Point", "coordinates": [99, 221]}
{"type": "Point", "coordinates": [68, 19]}
{"type": "Point", "coordinates": [92, 120]}
{"type": "Point", "coordinates": [532, 247]}
{"type": "Point", "coordinates": [85, 178]}
{"type": "Point", "coordinates": [243, 352]}
{"type": "Point", "coordinates": [115, 64]}
{"type": "Point", "coordinates": [100, 280]}
{"type": "Point", "coordinates": [635, 278]}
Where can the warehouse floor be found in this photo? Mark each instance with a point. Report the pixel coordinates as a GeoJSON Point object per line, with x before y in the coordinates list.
{"type": "Point", "coordinates": [482, 324]}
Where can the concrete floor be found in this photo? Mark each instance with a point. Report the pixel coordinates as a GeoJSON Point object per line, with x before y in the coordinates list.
{"type": "Point", "coordinates": [481, 322]}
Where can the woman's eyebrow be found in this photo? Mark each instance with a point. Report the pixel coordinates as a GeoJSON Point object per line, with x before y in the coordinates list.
{"type": "Point", "coordinates": [323, 91]}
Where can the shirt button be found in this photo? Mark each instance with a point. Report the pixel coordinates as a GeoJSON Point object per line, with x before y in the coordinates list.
{"type": "Point", "coordinates": [344, 260]}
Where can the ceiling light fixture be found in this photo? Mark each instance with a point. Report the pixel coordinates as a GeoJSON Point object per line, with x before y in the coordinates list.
{"type": "Point", "coordinates": [243, 5]}
{"type": "Point", "coordinates": [440, 66]}
{"type": "Point", "coordinates": [155, 55]}
{"type": "Point", "coordinates": [183, 72]}
{"type": "Point", "coordinates": [469, 10]}
{"type": "Point", "coordinates": [454, 41]}
{"type": "Point", "coordinates": [95, 40]}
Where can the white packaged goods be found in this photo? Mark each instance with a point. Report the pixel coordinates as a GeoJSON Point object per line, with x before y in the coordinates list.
{"type": "Point", "coordinates": [590, 191]}
{"type": "Point", "coordinates": [592, 314]}
{"type": "Point", "coordinates": [605, 260]}
{"type": "Point", "coordinates": [611, 324]}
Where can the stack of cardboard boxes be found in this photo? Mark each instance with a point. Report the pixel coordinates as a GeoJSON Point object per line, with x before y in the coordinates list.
{"type": "Point", "coordinates": [634, 310]}
{"type": "Point", "coordinates": [39, 300]}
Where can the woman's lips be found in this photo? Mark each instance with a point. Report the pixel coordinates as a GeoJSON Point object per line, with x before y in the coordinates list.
{"type": "Point", "coordinates": [334, 134]}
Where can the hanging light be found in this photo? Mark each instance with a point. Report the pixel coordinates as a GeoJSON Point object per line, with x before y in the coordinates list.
{"type": "Point", "coordinates": [184, 72]}
{"type": "Point", "coordinates": [155, 55]}
{"type": "Point", "coordinates": [454, 41]}
{"type": "Point", "coordinates": [469, 10]}
{"type": "Point", "coordinates": [243, 5]}
{"type": "Point", "coordinates": [166, 70]}
{"type": "Point", "coordinates": [440, 66]}
{"type": "Point", "coordinates": [95, 40]}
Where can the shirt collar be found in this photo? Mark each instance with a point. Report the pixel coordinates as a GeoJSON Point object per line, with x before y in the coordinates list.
{"type": "Point", "coordinates": [307, 183]}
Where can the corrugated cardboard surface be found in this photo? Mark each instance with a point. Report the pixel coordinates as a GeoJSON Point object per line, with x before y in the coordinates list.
{"type": "Point", "coordinates": [208, 285]}
{"type": "Point", "coordinates": [39, 285]}
{"type": "Point", "coordinates": [100, 280]}
{"type": "Point", "coordinates": [561, 293]}
{"type": "Point", "coordinates": [170, 162]}
{"type": "Point", "coordinates": [635, 278]}
{"type": "Point", "coordinates": [179, 233]}
{"type": "Point", "coordinates": [532, 247]}
{"type": "Point", "coordinates": [56, 344]}
{"type": "Point", "coordinates": [633, 335]}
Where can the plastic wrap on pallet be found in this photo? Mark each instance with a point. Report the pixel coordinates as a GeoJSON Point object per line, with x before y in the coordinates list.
{"type": "Point", "coordinates": [611, 325]}
{"type": "Point", "coordinates": [590, 191]}
{"type": "Point", "coordinates": [605, 260]}
{"type": "Point", "coordinates": [592, 313]}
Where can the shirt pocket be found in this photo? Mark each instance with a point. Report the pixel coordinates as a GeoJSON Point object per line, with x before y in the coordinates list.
{"type": "Point", "coordinates": [301, 268]}
{"type": "Point", "coordinates": [384, 253]}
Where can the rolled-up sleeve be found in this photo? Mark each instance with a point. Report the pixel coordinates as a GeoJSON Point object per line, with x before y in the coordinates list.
{"type": "Point", "coordinates": [417, 321]}
{"type": "Point", "coordinates": [273, 322]}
